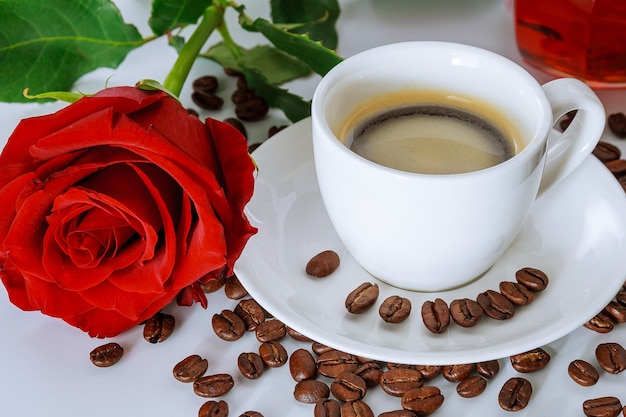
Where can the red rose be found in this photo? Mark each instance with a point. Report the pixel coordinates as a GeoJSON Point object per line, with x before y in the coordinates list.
{"type": "Point", "coordinates": [116, 205]}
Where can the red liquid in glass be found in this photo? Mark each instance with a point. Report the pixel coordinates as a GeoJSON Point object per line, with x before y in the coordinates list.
{"type": "Point", "coordinates": [585, 39]}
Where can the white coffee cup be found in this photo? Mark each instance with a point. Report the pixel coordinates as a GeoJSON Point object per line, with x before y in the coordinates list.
{"type": "Point", "coordinates": [428, 232]}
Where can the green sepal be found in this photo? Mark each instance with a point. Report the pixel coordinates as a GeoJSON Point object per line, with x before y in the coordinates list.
{"type": "Point", "coordinates": [65, 96]}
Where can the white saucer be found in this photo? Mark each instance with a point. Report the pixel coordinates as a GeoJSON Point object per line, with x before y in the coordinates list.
{"type": "Point", "coordinates": [576, 233]}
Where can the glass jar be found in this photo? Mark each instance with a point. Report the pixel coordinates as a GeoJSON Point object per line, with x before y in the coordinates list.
{"type": "Point", "coordinates": [585, 39]}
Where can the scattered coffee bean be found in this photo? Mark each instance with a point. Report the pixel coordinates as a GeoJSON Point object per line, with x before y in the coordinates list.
{"type": "Point", "coordinates": [436, 315]}
{"type": "Point", "coordinates": [251, 365]}
{"type": "Point", "coordinates": [237, 124]}
{"type": "Point", "coordinates": [395, 309]}
{"type": "Point", "coordinates": [424, 400]}
{"type": "Point", "coordinates": [362, 298]}
{"type": "Point", "coordinates": [206, 83]}
{"type": "Point", "coordinates": [296, 335]}
{"type": "Point", "coordinates": [273, 353]}
{"type": "Point", "coordinates": [457, 373]}
{"type": "Point", "coordinates": [323, 264]}
{"type": "Point", "coordinates": [606, 152]}
{"type": "Point", "coordinates": [611, 357]}
{"type": "Point", "coordinates": [310, 391]}
{"type": "Point", "coordinates": [233, 288]}
{"type": "Point", "coordinates": [251, 414]}
{"type": "Point", "coordinates": [356, 409]}
{"type": "Point", "coordinates": [488, 369]}
{"type": "Point", "coordinates": [348, 386]}
{"type": "Point", "coordinates": [193, 112]}
{"type": "Point", "coordinates": [335, 362]}
{"type": "Point", "coordinates": [159, 327]}
{"type": "Point", "coordinates": [327, 407]}
{"type": "Point", "coordinates": [429, 371]}
{"type": "Point", "coordinates": [517, 293]}
{"type": "Point", "coordinates": [207, 101]}
{"type": "Point", "coordinates": [302, 365]}
{"type": "Point", "coordinates": [471, 386]}
{"type": "Point", "coordinates": [466, 312]}
{"type": "Point", "coordinates": [617, 124]}
{"type": "Point", "coordinates": [617, 311]}
{"type": "Point", "coordinates": [190, 368]}
{"type": "Point", "coordinates": [621, 297]}
{"type": "Point", "coordinates": [600, 323]}
{"type": "Point", "coordinates": [106, 355]}
{"type": "Point", "coordinates": [274, 130]}
{"type": "Point", "coordinates": [213, 285]}
{"type": "Point", "coordinates": [397, 381]}
{"type": "Point", "coordinates": [252, 109]}
{"type": "Point", "coordinates": [398, 413]}
{"type": "Point", "coordinates": [532, 278]}
{"type": "Point", "coordinates": [270, 330]}
{"type": "Point", "coordinates": [602, 407]}
{"type": "Point", "coordinates": [211, 386]}
{"type": "Point", "coordinates": [250, 312]}
{"type": "Point", "coordinates": [566, 120]}
{"type": "Point", "coordinates": [228, 326]}
{"type": "Point", "coordinates": [319, 348]}
{"type": "Point", "coordinates": [515, 394]}
{"type": "Point", "coordinates": [617, 167]}
{"type": "Point", "coordinates": [496, 305]}
{"type": "Point", "coordinates": [213, 409]}
{"type": "Point", "coordinates": [530, 361]}
{"type": "Point", "coordinates": [583, 373]}
{"type": "Point", "coordinates": [371, 372]}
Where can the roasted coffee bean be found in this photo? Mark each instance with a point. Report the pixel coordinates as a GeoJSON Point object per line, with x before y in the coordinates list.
{"type": "Point", "coordinates": [371, 373]}
{"type": "Point", "coordinates": [251, 414]}
{"type": "Point", "coordinates": [356, 409]}
{"type": "Point", "coordinates": [496, 305]}
{"type": "Point", "coordinates": [399, 413]}
{"type": "Point", "coordinates": [606, 152]}
{"type": "Point", "coordinates": [602, 407]}
{"type": "Point", "coordinates": [211, 386]}
{"type": "Point", "coordinates": [243, 94]}
{"type": "Point", "coordinates": [213, 409]}
{"type": "Point", "coordinates": [159, 327]}
{"type": "Point", "coordinates": [228, 326]}
{"type": "Point", "coordinates": [237, 124]}
{"type": "Point", "coordinates": [617, 167]}
{"type": "Point", "coordinates": [213, 285]}
{"type": "Point", "coordinates": [611, 357]}
{"type": "Point", "coordinates": [296, 335]}
{"type": "Point", "coordinates": [471, 386]}
{"type": "Point", "coordinates": [327, 407]}
{"type": "Point", "coordinates": [530, 361]}
{"type": "Point", "coordinates": [323, 264]}
{"type": "Point", "coordinates": [310, 391]}
{"type": "Point", "coordinates": [515, 394]}
{"type": "Point", "coordinates": [302, 365]}
{"type": "Point", "coordinates": [583, 373]}
{"type": "Point", "coordinates": [274, 130]}
{"type": "Point", "coordinates": [233, 288]}
{"type": "Point", "coordinates": [466, 312]}
{"type": "Point", "coordinates": [397, 381]}
{"type": "Point", "coordinates": [424, 400]}
{"type": "Point", "coordinates": [566, 120]}
{"type": "Point", "coordinates": [190, 368]}
{"type": "Point", "coordinates": [335, 362]}
{"type": "Point", "coordinates": [621, 297]}
{"type": "Point", "coordinates": [251, 365]}
{"type": "Point", "coordinates": [348, 386]}
{"type": "Point", "coordinates": [395, 309]}
{"type": "Point", "coordinates": [270, 330]}
{"type": "Point", "coordinates": [617, 124]}
{"type": "Point", "coordinates": [207, 101]}
{"type": "Point", "coordinates": [106, 355]}
{"type": "Point", "coordinates": [436, 315]}
{"type": "Point", "coordinates": [192, 112]}
{"type": "Point", "coordinates": [362, 298]}
{"type": "Point", "coordinates": [488, 369]}
{"type": "Point", "coordinates": [517, 293]}
{"type": "Point", "coordinates": [532, 278]}
{"type": "Point", "coordinates": [251, 110]}
{"type": "Point", "coordinates": [250, 312]}
{"type": "Point", "coordinates": [617, 311]}
{"type": "Point", "coordinates": [600, 323]}
{"type": "Point", "coordinates": [319, 348]}
{"type": "Point", "coordinates": [429, 371]}
{"type": "Point", "coordinates": [273, 353]}
{"type": "Point", "coordinates": [206, 83]}
{"type": "Point", "coordinates": [457, 373]}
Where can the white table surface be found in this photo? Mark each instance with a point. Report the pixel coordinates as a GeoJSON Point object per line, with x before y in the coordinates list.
{"type": "Point", "coordinates": [44, 364]}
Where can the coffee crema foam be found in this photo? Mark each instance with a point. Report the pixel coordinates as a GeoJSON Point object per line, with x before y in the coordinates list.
{"type": "Point", "coordinates": [438, 137]}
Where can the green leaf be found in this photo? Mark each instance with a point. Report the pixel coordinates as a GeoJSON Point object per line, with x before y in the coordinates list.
{"type": "Point", "coordinates": [277, 66]}
{"type": "Point", "coordinates": [314, 54]}
{"type": "Point", "coordinates": [294, 107]}
{"type": "Point", "coordinates": [46, 45]}
{"type": "Point", "coordinates": [321, 16]}
{"type": "Point", "coordinates": [169, 14]}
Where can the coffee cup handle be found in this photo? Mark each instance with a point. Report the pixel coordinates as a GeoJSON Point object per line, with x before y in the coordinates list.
{"type": "Point", "coordinates": [569, 149]}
